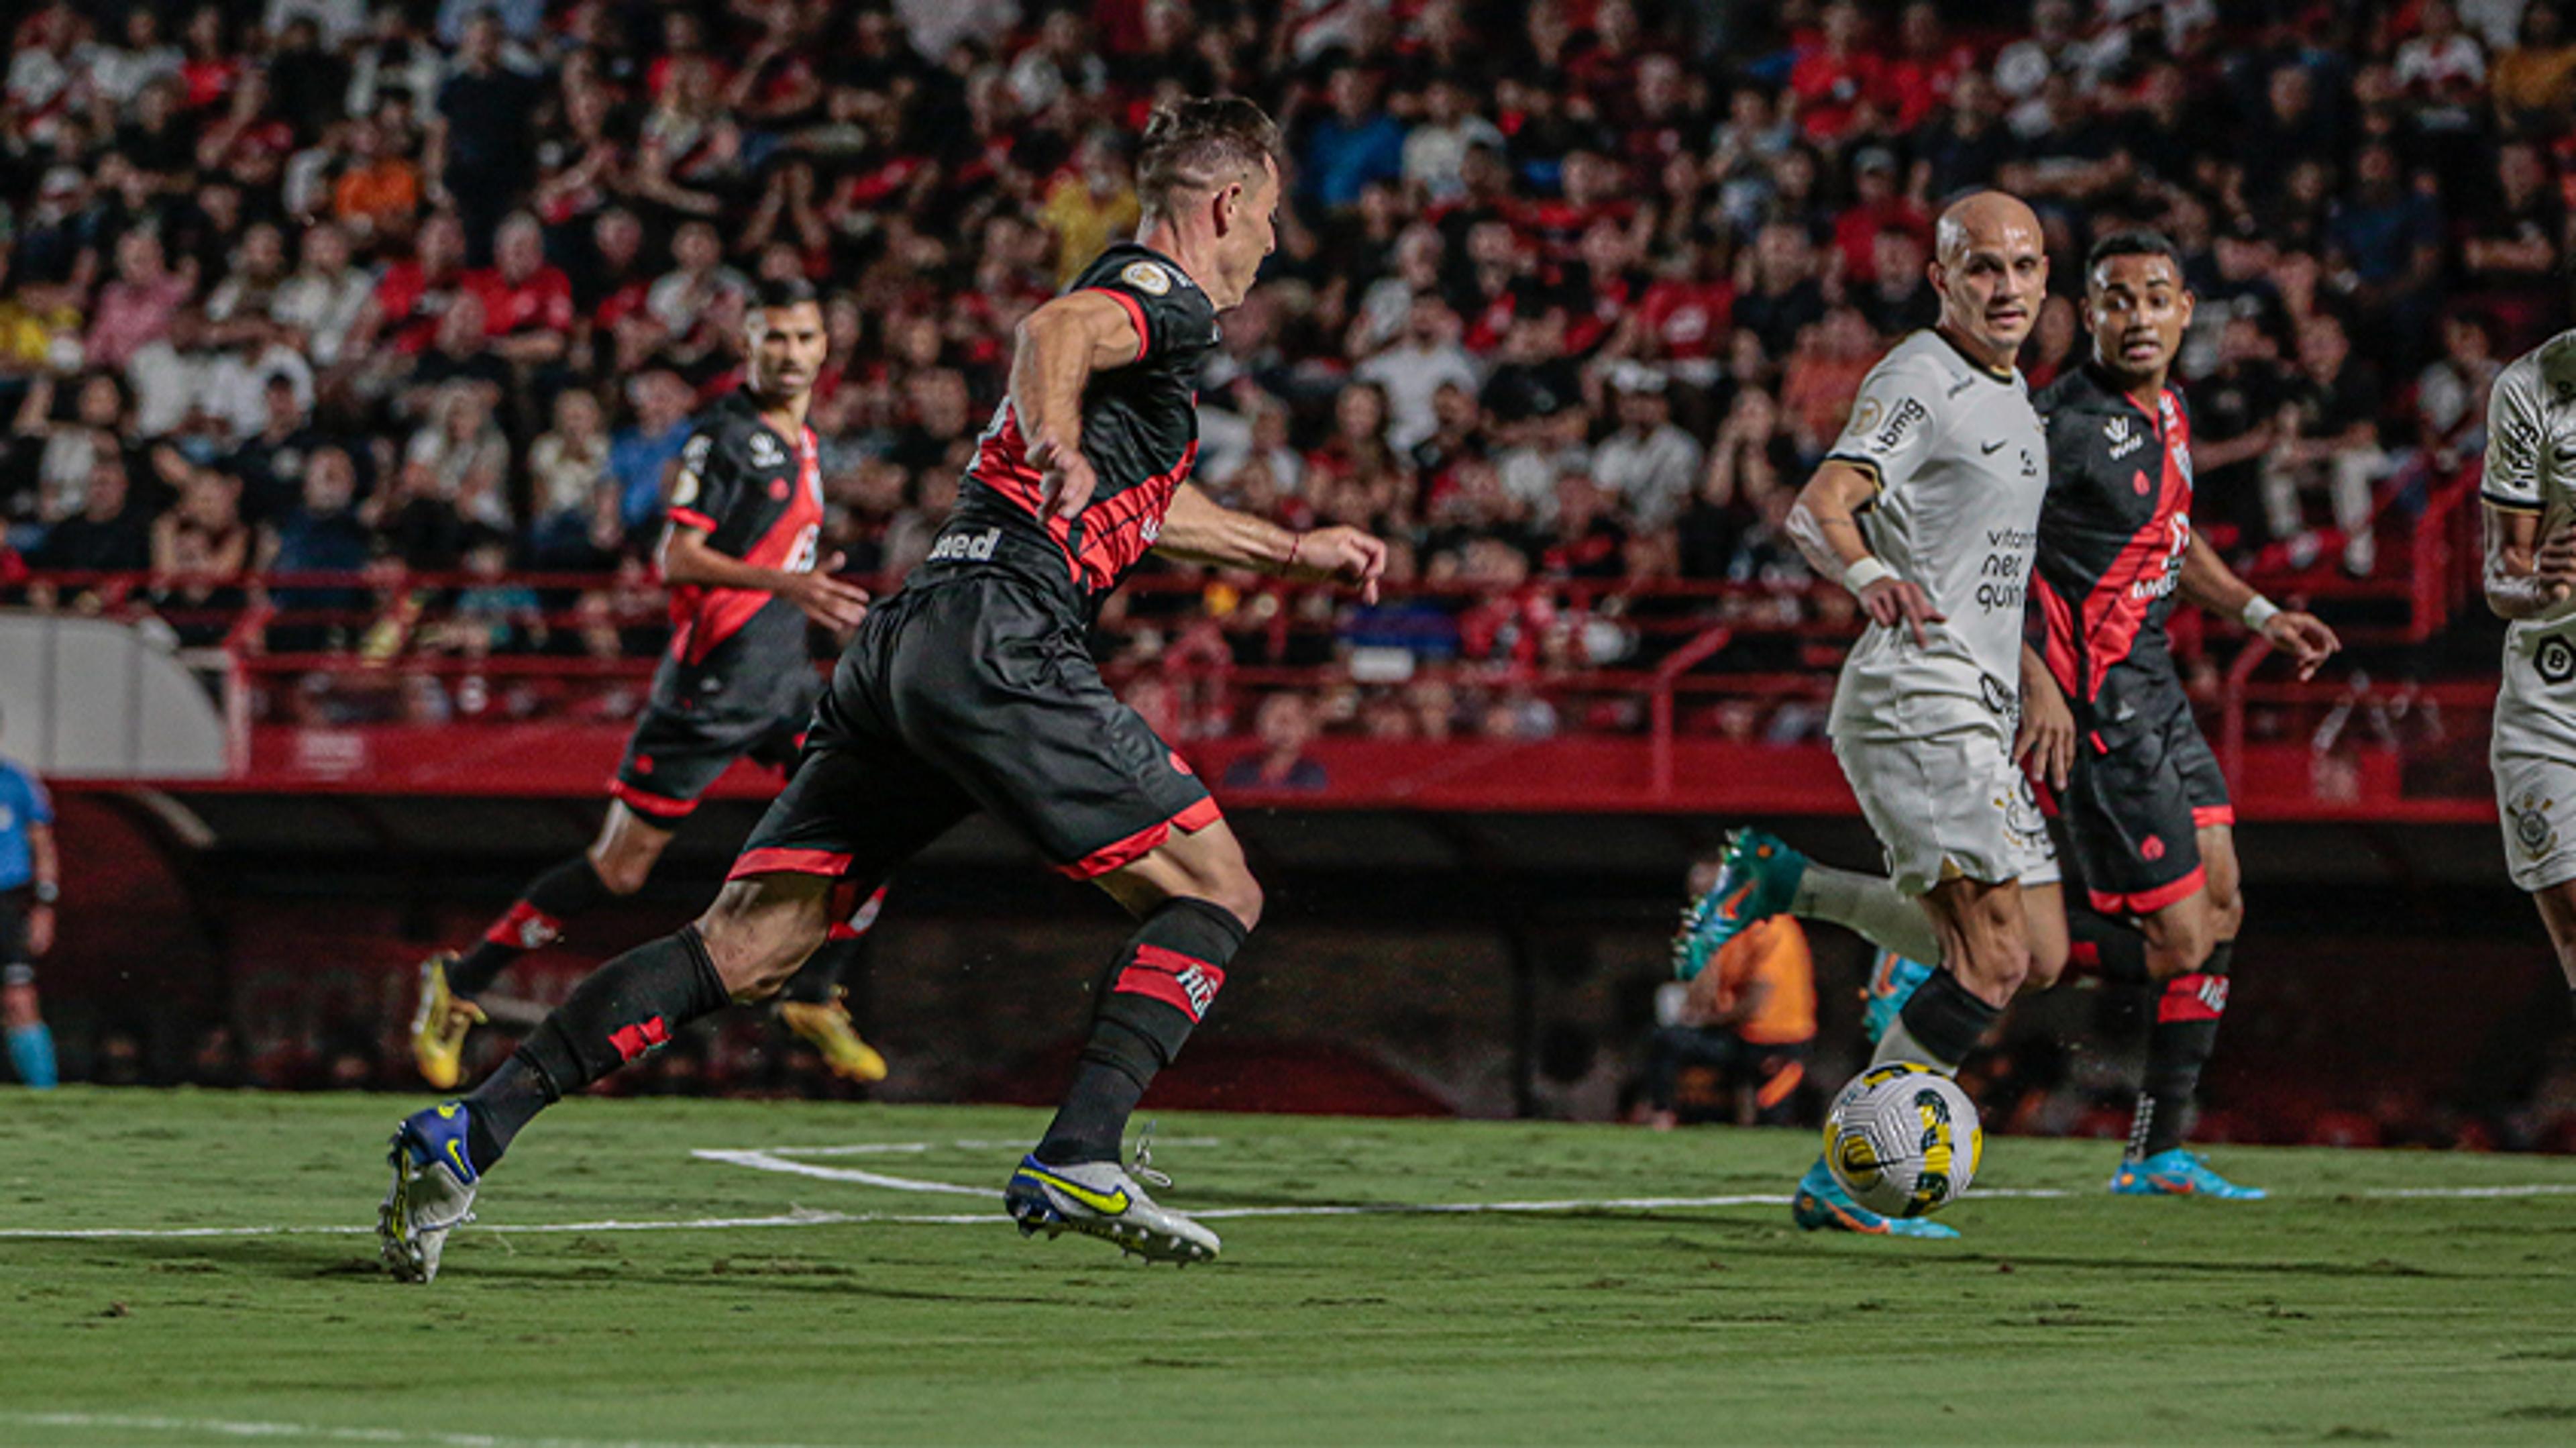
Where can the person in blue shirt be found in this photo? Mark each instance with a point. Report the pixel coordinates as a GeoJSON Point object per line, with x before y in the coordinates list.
{"type": "Point", "coordinates": [29, 885]}
{"type": "Point", "coordinates": [1353, 145]}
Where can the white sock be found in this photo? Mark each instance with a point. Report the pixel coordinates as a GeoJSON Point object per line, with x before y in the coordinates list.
{"type": "Point", "coordinates": [1869, 906]}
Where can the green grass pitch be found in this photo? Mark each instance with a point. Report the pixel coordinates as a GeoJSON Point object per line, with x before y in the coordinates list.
{"type": "Point", "coordinates": [778, 1295]}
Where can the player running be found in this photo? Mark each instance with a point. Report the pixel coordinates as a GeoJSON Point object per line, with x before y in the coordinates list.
{"type": "Point", "coordinates": [974, 689]}
{"type": "Point", "coordinates": [2143, 802]}
{"type": "Point", "coordinates": [746, 509]}
{"type": "Point", "coordinates": [2530, 503]}
{"type": "Point", "coordinates": [30, 883]}
{"type": "Point", "coordinates": [1945, 454]}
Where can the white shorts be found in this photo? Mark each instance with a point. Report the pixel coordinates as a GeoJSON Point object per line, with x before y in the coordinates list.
{"type": "Point", "coordinates": [1948, 807]}
{"type": "Point", "coordinates": [2536, 803]}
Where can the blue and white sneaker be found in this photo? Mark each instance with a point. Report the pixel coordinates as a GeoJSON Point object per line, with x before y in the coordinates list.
{"type": "Point", "coordinates": [1892, 979]}
{"type": "Point", "coordinates": [1822, 1205]}
{"type": "Point", "coordinates": [1758, 880]}
{"type": "Point", "coordinates": [2178, 1173]}
{"type": "Point", "coordinates": [1100, 1199]}
{"type": "Point", "coordinates": [432, 1192]}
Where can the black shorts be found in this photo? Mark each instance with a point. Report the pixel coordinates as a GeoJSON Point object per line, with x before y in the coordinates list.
{"type": "Point", "coordinates": [673, 756]}
{"type": "Point", "coordinates": [2141, 791]}
{"type": "Point", "coordinates": [975, 693]}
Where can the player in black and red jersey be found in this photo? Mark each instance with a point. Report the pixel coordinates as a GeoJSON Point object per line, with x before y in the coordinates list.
{"type": "Point", "coordinates": [745, 513]}
{"type": "Point", "coordinates": [2144, 805]}
{"type": "Point", "coordinates": [974, 689]}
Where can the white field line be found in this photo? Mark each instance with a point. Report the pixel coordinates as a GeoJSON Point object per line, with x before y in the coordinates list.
{"type": "Point", "coordinates": [232, 1428]}
{"type": "Point", "coordinates": [782, 1160]}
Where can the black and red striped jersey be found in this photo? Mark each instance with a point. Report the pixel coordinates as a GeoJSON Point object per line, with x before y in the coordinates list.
{"type": "Point", "coordinates": [2113, 531]}
{"type": "Point", "coordinates": [758, 497]}
{"type": "Point", "coordinates": [1140, 431]}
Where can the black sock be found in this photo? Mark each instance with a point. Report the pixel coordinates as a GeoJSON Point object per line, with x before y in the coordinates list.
{"type": "Point", "coordinates": [618, 1012]}
{"type": "Point", "coordinates": [534, 922]}
{"type": "Point", "coordinates": [1157, 989]}
{"type": "Point", "coordinates": [2114, 949]}
{"type": "Point", "coordinates": [2178, 1045]}
{"type": "Point", "coordinates": [1943, 1020]}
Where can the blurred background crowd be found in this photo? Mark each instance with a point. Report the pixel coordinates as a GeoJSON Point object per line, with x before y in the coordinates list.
{"type": "Point", "coordinates": [1568, 290]}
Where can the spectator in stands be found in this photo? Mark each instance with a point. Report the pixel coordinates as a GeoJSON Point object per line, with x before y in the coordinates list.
{"type": "Point", "coordinates": [107, 535]}
{"type": "Point", "coordinates": [322, 533]}
{"type": "Point", "coordinates": [321, 303]}
{"type": "Point", "coordinates": [1411, 372]}
{"type": "Point", "coordinates": [2515, 240]}
{"type": "Point", "coordinates": [2534, 82]}
{"type": "Point", "coordinates": [138, 306]}
{"type": "Point", "coordinates": [1089, 204]}
{"type": "Point", "coordinates": [71, 446]}
{"type": "Point", "coordinates": [465, 454]}
{"type": "Point", "coordinates": [2330, 443]}
{"type": "Point", "coordinates": [478, 148]}
{"type": "Point", "coordinates": [1648, 466]}
{"type": "Point", "coordinates": [1356, 143]}
{"type": "Point", "coordinates": [271, 462]}
{"type": "Point", "coordinates": [568, 475]}
{"type": "Point", "coordinates": [376, 195]}
{"type": "Point", "coordinates": [1285, 724]}
{"type": "Point", "coordinates": [1435, 150]}
{"type": "Point", "coordinates": [640, 456]}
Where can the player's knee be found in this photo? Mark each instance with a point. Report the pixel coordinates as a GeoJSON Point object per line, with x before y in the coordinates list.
{"type": "Point", "coordinates": [18, 1006]}
{"type": "Point", "coordinates": [2047, 964]}
{"type": "Point", "coordinates": [620, 872]}
{"type": "Point", "coordinates": [757, 942]}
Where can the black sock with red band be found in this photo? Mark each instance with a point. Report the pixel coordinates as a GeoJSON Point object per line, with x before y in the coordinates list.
{"type": "Point", "coordinates": [1151, 997]}
{"type": "Point", "coordinates": [534, 921]}
{"type": "Point", "coordinates": [2188, 1010]}
{"type": "Point", "coordinates": [620, 1011]}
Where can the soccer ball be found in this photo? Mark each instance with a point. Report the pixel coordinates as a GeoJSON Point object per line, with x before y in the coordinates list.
{"type": "Point", "coordinates": [1904, 1140]}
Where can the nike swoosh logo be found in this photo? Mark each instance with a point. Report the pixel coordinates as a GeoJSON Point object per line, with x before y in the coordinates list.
{"type": "Point", "coordinates": [1989, 448]}
{"type": "Point", "coordinates": [1106, 1203]}
{"type": "Point", "coordinates": [457, 1155]}
{"type": "Point", "coordinates": [447, 1112]}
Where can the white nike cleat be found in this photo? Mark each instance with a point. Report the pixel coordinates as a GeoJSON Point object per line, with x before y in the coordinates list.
{"type": "Point", "coordinates": [1100, 1199]}
{"type": "Point", "coordinates": [432, 1192]}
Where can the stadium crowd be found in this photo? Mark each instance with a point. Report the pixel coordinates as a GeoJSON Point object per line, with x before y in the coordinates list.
{"type": "Point", "coordinates": [1568, 290]}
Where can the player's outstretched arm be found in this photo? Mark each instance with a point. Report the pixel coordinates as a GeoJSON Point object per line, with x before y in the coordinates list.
{"type": "Point", "coordinates": [687, 558]}
{"type": "Point", "coordinates": [2524, 574]}
{"type": "Point", "coordinates": [1825, 524]}
{"type": "Point", "coordinates": [1198, 529]}
{"type": "Point", "coordinates": [2208, 583]}
{"type": "Point", "coordinates": [1058, 347]}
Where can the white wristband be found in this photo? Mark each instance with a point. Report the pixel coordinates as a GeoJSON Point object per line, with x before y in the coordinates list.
{"type": "Point", "coordinates": [2257, 612]}
{"type": "Point", "coordinates": [1866, 572]}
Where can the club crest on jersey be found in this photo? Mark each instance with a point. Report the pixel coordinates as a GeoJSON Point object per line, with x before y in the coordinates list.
{"type": "Point", "coordinates": [2555, 660]}
{"type": "Point", "coordinates": [2532, 828]}
{"type": "Point", "coordinates": [2022, 819]}
{"type": "Point", "coordinates": [2123, 436]}
{"type": "Point", "coordinates": [765, 451]}
{"type": "Point", "coordinates": [1147, 277]}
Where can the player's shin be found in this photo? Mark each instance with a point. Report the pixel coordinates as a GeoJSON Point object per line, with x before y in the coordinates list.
{"type": "Point", "coordinates": [1941, 1023]}
{"type": "Point", "coordinates": [620, 1011]}
{"type": "Point", "coordinates": [534, 921]}
{"type": "Point", "coordinates": [2185, 1032]}
{"type": "Point", "coordinates": [1154, 993]}
{"type": "Point", "coordinates": [1869, 906]}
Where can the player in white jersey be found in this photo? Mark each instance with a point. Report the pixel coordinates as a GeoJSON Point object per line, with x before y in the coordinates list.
{"type": "Point", "coordinates": [1927, 509]}
{"type": "Point", "coordinates": [2530, 504]}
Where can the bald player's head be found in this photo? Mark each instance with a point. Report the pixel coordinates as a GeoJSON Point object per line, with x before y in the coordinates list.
{"type": "Point", "coordinates": [1990, 265]}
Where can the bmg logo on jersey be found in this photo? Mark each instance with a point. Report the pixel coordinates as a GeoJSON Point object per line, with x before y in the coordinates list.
{"type": "Point", "coordinates": [966, 547]}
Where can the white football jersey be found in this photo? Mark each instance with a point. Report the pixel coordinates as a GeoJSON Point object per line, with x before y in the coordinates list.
{"type": "Point", "coordinates": [1961, 462]}
{"type": "Point", "coordinates": [2531, 468]}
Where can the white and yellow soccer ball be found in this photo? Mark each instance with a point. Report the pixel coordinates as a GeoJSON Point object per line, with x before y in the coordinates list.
{"type": "Point", "coordinates": [1904, 1140]}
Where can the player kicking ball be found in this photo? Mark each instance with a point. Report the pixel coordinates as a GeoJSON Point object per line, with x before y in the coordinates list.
{"type": "Point", "coordinates": [1945, 454]}
{"type": "Point", "coordinates": [2143, 802]}
{"type": "Point", "coordinates": [2529, 499]}
{"type": "Point", "coordinates": [745, 512]}
{"type": "Point", "coordinates": [974, 689]}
